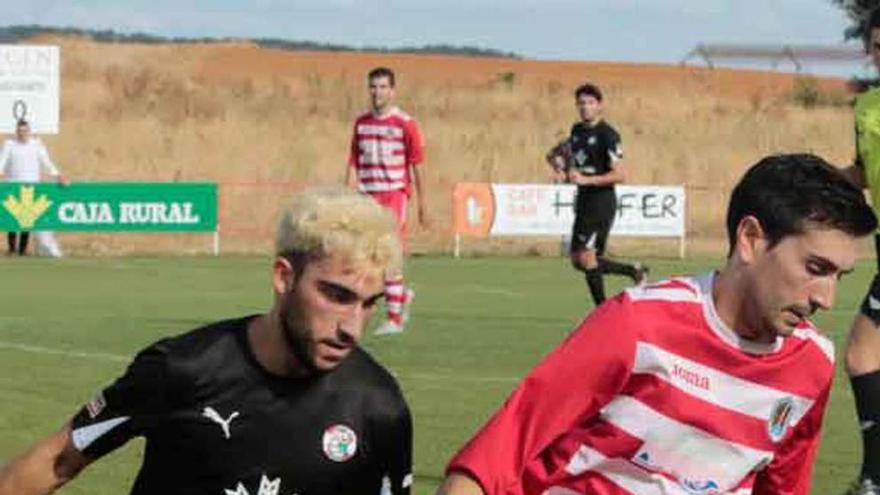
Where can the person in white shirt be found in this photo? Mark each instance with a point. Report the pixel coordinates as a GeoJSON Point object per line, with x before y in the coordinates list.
{"type": "Point", "coordinates": [21, 160]}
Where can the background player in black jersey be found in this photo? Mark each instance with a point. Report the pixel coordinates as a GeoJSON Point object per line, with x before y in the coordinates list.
{"type": "Point", "coordinates": [591, 158]}
{"type": "Point", "coordinates": [278, 403]}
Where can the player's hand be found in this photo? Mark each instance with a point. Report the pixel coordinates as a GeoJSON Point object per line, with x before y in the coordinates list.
{"type": "Point", "coordinates": [558, 176]}
{"type": "Point", "coordinates": [578, 178]}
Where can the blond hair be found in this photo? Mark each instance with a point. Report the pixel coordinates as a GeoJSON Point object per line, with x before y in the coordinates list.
{"type": "Point", "coordinates": [336, 222]}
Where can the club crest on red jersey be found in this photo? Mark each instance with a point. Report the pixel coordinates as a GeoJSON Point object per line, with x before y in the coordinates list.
{"type": "Point", "coordinates": [340, 443]}
{"type": "Point", "coordinates": [780, 418]}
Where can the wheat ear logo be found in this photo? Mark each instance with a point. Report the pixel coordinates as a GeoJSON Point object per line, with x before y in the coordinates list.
{"type": "Point", "coordinates": [25, 209]}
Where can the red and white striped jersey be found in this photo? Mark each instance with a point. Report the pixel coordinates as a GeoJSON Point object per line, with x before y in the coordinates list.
{"type": "Point", "coordinates": [383, 148]}
{"type": "Point", "coordinates": [653, 394]}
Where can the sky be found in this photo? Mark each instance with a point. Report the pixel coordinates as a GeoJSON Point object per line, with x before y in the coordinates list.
{"type": "Point", "coordinates": [662, 31]}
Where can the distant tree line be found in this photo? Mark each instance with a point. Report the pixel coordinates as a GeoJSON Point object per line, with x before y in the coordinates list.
{"type": "Point", "coordinates": [15, 34]}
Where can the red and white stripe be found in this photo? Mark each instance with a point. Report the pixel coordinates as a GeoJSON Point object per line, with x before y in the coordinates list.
{"type": "Point", "coordinates": [383, 149]}
{"type": "Point", "coordinates": [683, 406]}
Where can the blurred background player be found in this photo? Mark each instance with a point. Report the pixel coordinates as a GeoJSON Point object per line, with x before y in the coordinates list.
{"type": "Point", "coordinates": [21, 160]}
{"type": "Point", "coordinates": [591, 157]}
{"type": "Point", "coordinates": [707, 384]}
{"type": "Point", "coordinates": [280, 402]}
{"type": "Point", "coordinates": [386, 151]}
{"type": "Point", "coordinates": [863, 347]}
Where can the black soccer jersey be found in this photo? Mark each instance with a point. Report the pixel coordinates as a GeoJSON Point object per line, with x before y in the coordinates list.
{"type": "Point", "coordinates": [217, 423]}
{"type": "Point", "coordinates": [593, 150]}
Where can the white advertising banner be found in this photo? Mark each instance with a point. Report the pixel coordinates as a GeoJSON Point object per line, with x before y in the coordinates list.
{"type": "Point", "coordinates": [526, 209]}
{"type": "Point", "coordinates": [30, 78]}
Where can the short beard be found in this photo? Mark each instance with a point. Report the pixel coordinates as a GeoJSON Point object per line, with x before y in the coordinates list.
{"type": "Point", "coordinates": [294, 341]}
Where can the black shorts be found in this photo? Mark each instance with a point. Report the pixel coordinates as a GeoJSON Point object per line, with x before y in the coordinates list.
{"type": "Point", "coordinates": [871, 303]}
{"type": "Point", "coordinates": [594, 217]}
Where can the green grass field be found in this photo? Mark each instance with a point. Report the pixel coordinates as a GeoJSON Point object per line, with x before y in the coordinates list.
{"type": "Point", "coordinates": [68, 327]}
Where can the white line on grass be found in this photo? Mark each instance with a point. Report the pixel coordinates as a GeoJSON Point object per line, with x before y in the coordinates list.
{"type": "Point", "coordinates": [117, 358]}
{"type": "Point", "coordinates": [36, 349]}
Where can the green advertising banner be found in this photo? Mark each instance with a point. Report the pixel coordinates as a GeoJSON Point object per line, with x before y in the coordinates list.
{"type": "Point", "coordinates": [109, 206]}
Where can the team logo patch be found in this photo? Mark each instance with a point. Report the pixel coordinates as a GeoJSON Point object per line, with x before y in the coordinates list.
{"type": "Point", "coordinates": [340, 443]}
{"type": "Point", "coordinates": [96, 405]}
{"type": "Point", "coordinates": [780, 418]}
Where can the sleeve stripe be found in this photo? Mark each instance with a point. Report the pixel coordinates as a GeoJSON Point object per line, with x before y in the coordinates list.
{"type": "Point", "coordinates": [85, 436]}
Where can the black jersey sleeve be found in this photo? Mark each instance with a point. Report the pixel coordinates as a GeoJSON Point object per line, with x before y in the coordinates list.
{"type": "Point", "coordinates": [130, 407]}
{"type": "Point", "coordinates": [613, 144]}
{"type": "Point", "coordinates": [393, 432]}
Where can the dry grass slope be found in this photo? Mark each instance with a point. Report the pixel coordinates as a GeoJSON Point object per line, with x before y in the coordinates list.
{"type": "Point", "coordinates": [243, 115]}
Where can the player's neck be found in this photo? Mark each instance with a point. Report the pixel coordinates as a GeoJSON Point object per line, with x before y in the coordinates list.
{"type": "Point", "coordinates": [267, 343]}
{"type": "Point", "coordinates": [732, 304]}
{"type": "Point", "coordinates": [591, 123]}
{"type": "Point", "coordinates": [384, 111]}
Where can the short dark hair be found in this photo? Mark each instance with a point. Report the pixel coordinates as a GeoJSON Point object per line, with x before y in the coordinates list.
{"type": "Point", "coordinates": [872, 21]}
{"type": "Point", "coordinates": [588, 89]}
{"type": "Point", "coordinates": [788, 193]}
{"type": "Point", "coordinates": [382, 72]}
{"type": "Point", "coordinates": [21, 123]}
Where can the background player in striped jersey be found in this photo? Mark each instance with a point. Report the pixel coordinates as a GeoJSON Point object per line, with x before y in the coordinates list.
{"type": "Point", "coordinates": [591, 157]}
{"type": "Point", "coordinates": [694, 385]}
{"type": "Point", "coordinates": [386, 151]}
{"type": "Point", "coordinates": [863, 348]}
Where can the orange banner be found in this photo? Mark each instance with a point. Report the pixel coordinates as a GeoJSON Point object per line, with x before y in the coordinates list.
{"type": "Point", "coordinates": [473, 209]}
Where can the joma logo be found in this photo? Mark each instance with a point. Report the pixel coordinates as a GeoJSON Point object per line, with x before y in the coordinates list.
{"type": "Point", "coordinates": [690, 377]}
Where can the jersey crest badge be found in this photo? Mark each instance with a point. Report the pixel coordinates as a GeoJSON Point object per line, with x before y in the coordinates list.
{"type": "Point", "coordinates": [780, 418]}
{"type": "Point", "coordinates": [340, 443]}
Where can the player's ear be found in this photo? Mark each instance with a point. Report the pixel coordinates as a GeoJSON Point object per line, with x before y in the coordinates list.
{"type": "Point", "coordinates": [283, 275]}
{"type": "Point", "coordinates": [750, 238]}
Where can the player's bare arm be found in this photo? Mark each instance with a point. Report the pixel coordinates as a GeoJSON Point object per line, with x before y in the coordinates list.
{"type": "Point", "coordinates": [350, 177]}
{"type": "Point", "coordinates": [421, 204]}
{"type": "Point", "coordinates": [616, 175]}
{"type": "Point", "coordinates": [47, 466]}
{"type": "Point", "coordinates": [459, 484]}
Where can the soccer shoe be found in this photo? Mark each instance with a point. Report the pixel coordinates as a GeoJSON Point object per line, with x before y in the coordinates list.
{"type": "Point", "coordinates": [389, 328]}
{"type": "Point", "coordinates": [863, 486]}
{"type": "Point", "coordinates": [641, 274]}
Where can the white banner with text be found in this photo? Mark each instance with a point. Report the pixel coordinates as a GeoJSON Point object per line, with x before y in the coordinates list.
{"type": "Point", "coordinates": [548, 209]}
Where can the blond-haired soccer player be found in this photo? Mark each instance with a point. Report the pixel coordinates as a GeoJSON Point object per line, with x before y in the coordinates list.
{"type": "Point", "coordinates": [280, 402]}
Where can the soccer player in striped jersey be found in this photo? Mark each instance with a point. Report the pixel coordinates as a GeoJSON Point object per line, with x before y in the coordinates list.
{"type": "Point", "coordinates": [694, 385]}
{"type": "Point", "coordinates": [863, 347]}
{"type": "Point", "coordinates": [384, 162]}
